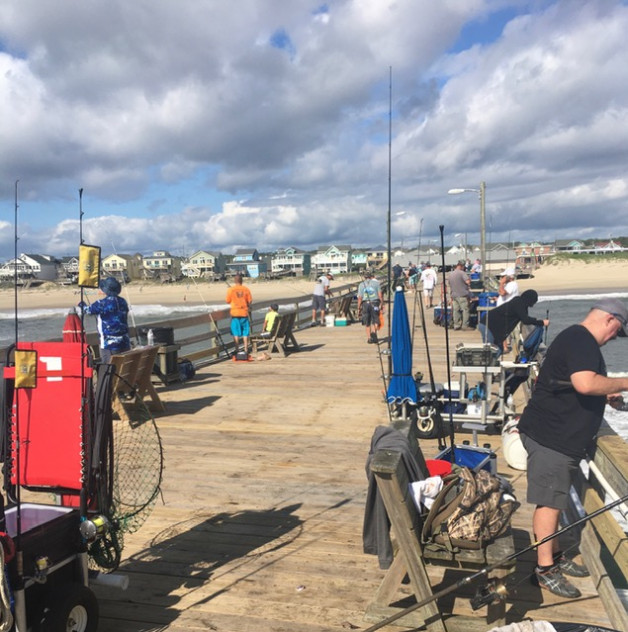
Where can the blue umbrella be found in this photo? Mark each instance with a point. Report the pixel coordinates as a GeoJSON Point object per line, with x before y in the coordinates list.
{"type": "Point", "coordinates": [402, 387]}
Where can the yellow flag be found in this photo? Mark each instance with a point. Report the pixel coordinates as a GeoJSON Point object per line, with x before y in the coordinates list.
{"type": "Point", "coordinates": [25, 369]}
{"type": "Point", "coordinates": [89, 265]}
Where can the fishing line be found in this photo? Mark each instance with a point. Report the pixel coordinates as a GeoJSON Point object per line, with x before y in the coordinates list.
{"type": "Point", "coordinates": [445, 307]}
{"type": "Point", "coordinates": [487, 569]}
{"type": "Point", "coordinates": [18, 500]}
{"type": "Point", "coordinates": [212, 321]}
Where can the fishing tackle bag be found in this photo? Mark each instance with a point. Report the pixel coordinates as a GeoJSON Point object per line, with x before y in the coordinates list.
{"type": "Point", "coordinates": [470, 511]}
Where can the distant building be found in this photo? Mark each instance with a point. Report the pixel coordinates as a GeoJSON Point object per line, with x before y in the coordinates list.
{"type": "Point", "coordinates": [161, 264]}
{"type": "Point", "coordinates": [336, 259]}
{"type": "Point", "coordinates": [123, 267]}
{"type": "Point", "coordinates": [531, 255]}
{"type": "Point", "coordinates": [376, 256]}
{"type": "Point", "coordinates": [291, 260]}
{"type": "Point", "coordinates": [41, 267]}
{"type": "Point", "coordinates": [570, 245]}
{"type": "Point", "coordinates": [203, 263]}
{"type": "Point", "coordinates": [247, 261]}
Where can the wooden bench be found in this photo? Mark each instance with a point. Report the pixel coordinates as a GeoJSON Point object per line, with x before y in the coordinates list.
{"type": "Point", "coordinates": [411, 558]}
{"type": "Point", "coordinates": [281, 336]}
{"type": "Point", "coordinates": [344, 308]}
{"type": "Point", "coordinates": [132, 380]}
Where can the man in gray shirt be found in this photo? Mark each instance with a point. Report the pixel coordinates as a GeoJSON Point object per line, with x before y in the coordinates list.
{"type": "Point", "coordinates": [459, 284]}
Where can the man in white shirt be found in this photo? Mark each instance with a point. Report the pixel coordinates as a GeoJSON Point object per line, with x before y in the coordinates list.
{"type": "Point", "coordinates": [428, 279]}
{"type": "Point", "coordinates": [319, 297]}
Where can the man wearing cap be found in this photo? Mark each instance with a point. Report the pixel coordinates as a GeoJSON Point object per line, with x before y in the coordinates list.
{"type": "Point", "coordinates": [559, 424]}
{"type": "Point", "coordinates": [459, 284]}
{"type": "Point", "coordinates": [319, 296]}
{"type": "Point", "coordinates": [508, 287]}
{"type": "Point", "coordinates": [112, 312]}
{"type": "Point", "coordinates": [370, 302]}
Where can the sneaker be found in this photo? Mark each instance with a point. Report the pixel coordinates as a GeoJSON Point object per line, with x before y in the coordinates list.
{"type": "Point", "coordinates": [568, 567]}
{"type": "Point", "coordinates": [554, 581]}
{"type": "Point", "coordinates": [374, 338]}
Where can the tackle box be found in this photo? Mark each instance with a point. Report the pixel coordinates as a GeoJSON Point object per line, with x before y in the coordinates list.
{"type": "Point", "coordinates": [477, 354]}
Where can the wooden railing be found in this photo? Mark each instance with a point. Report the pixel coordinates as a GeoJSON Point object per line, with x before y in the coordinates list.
{"type": "Point", "coordinates": [205, 337]}
{"type": "Point", "coordinates": [604, 544]}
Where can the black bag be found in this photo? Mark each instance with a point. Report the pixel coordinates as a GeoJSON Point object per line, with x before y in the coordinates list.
{"type": "Point", "coordinates": [186, 370]}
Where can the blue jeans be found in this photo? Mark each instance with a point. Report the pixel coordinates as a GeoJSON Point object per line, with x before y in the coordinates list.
{"type": "Point", "coordinates": [487, 336]}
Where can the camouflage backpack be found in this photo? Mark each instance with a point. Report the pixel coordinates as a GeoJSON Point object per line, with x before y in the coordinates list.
{"type": "Point", "coordinates": [468, 513]}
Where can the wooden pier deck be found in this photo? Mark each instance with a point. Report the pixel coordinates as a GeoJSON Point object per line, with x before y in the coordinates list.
{"type": "Point", "coordinates": [260, 528]}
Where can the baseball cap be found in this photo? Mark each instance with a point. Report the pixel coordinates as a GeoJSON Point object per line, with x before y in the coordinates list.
{"type": "Point", "coordinates": [508, 272]}
{"type": "Point", "coordinates": [329, 274]}
{"type": "Point", "coordinates": [615, 307]}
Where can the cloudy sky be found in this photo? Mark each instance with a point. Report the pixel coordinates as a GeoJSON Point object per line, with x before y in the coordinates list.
{"type": "Point", "coordinates": [212, 124]}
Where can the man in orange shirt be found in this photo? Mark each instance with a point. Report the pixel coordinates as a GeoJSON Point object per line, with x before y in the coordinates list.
{"type": "Point", "coordinates": [240, 299]}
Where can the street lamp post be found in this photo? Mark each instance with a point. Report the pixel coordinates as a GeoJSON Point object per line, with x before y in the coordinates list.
{"type": "Point", "coordinates": [482, 193]}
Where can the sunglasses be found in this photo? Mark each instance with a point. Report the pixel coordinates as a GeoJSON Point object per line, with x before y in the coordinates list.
{"type": "Point", "coordinates": [620, 318]}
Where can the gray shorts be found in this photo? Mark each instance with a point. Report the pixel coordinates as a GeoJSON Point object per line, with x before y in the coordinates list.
{"type": "Point", "coordinates": [550, 474]}
{"type": "Point", "coordinates": [318, 303]}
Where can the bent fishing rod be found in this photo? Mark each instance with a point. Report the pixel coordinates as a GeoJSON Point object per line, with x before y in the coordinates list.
{"type": "Point", "coordinates": [483, 572]}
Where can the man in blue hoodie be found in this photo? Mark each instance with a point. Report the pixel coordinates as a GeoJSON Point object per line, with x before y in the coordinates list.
{"type": "Point", "coordinates": [112, 312]}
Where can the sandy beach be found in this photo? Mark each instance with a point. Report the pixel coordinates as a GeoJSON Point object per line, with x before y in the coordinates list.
{"type": "Point", "coordinates": [564, 277]}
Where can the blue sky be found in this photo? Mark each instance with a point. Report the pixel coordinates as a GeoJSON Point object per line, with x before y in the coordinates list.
{"type": "Point", "coordinates": [219, 125]}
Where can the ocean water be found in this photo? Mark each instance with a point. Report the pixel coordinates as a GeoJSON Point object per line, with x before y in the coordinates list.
{"type": "Point", "coordinates": [562, 310]}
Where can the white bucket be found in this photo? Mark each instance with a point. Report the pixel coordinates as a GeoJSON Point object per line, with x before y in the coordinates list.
{"type": "Point", "coordinates": [514, 452]}
{"type": "Point", "coordinates": [330, 321]}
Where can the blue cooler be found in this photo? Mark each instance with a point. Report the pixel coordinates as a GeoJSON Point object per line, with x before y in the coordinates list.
{"type": "Point", "coordinates": [487, 299]}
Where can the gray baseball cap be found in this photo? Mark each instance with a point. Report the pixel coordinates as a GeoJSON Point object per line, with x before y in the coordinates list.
{"type": "Point", "coordinates": [615, 307]}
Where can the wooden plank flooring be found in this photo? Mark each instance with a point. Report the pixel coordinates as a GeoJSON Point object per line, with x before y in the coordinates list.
{"type": "Point", "coordinates": [260, 528]}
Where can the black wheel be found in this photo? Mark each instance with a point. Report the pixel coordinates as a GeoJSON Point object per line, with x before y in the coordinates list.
{"type": "Point", "coordinates": [71, 608]}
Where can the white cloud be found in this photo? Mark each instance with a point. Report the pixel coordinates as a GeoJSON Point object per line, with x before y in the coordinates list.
{"type": "Point", "coordinates": [151, 106]}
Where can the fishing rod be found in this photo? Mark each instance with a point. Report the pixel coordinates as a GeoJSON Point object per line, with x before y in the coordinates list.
{"type": "Point", "coordinates": [545, 333]}
{"type": "Point", "coordinates": [493, 591]}
{"type": "Point", "coordinates": [18, 590]}
{"type": "Point", "coordinates": [445, 307]}
{"type": "Point", "coordinates": [416, 284]}
{"type": "Point", "coordinates": [211, 319]}
{"type": "Point", "coordinates": [427, 352]}
{"type": "Point", "coordinates": [431, 373]}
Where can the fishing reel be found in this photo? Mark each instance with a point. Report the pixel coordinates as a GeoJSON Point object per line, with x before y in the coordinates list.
{"type": "Point", "coordinates": [491, 592]}
{"type": "Point", "coordinates": [94, 528]}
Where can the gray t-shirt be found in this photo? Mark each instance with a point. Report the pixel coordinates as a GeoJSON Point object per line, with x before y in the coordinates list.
{"type": "Point", "coordinates": [458, 283]}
